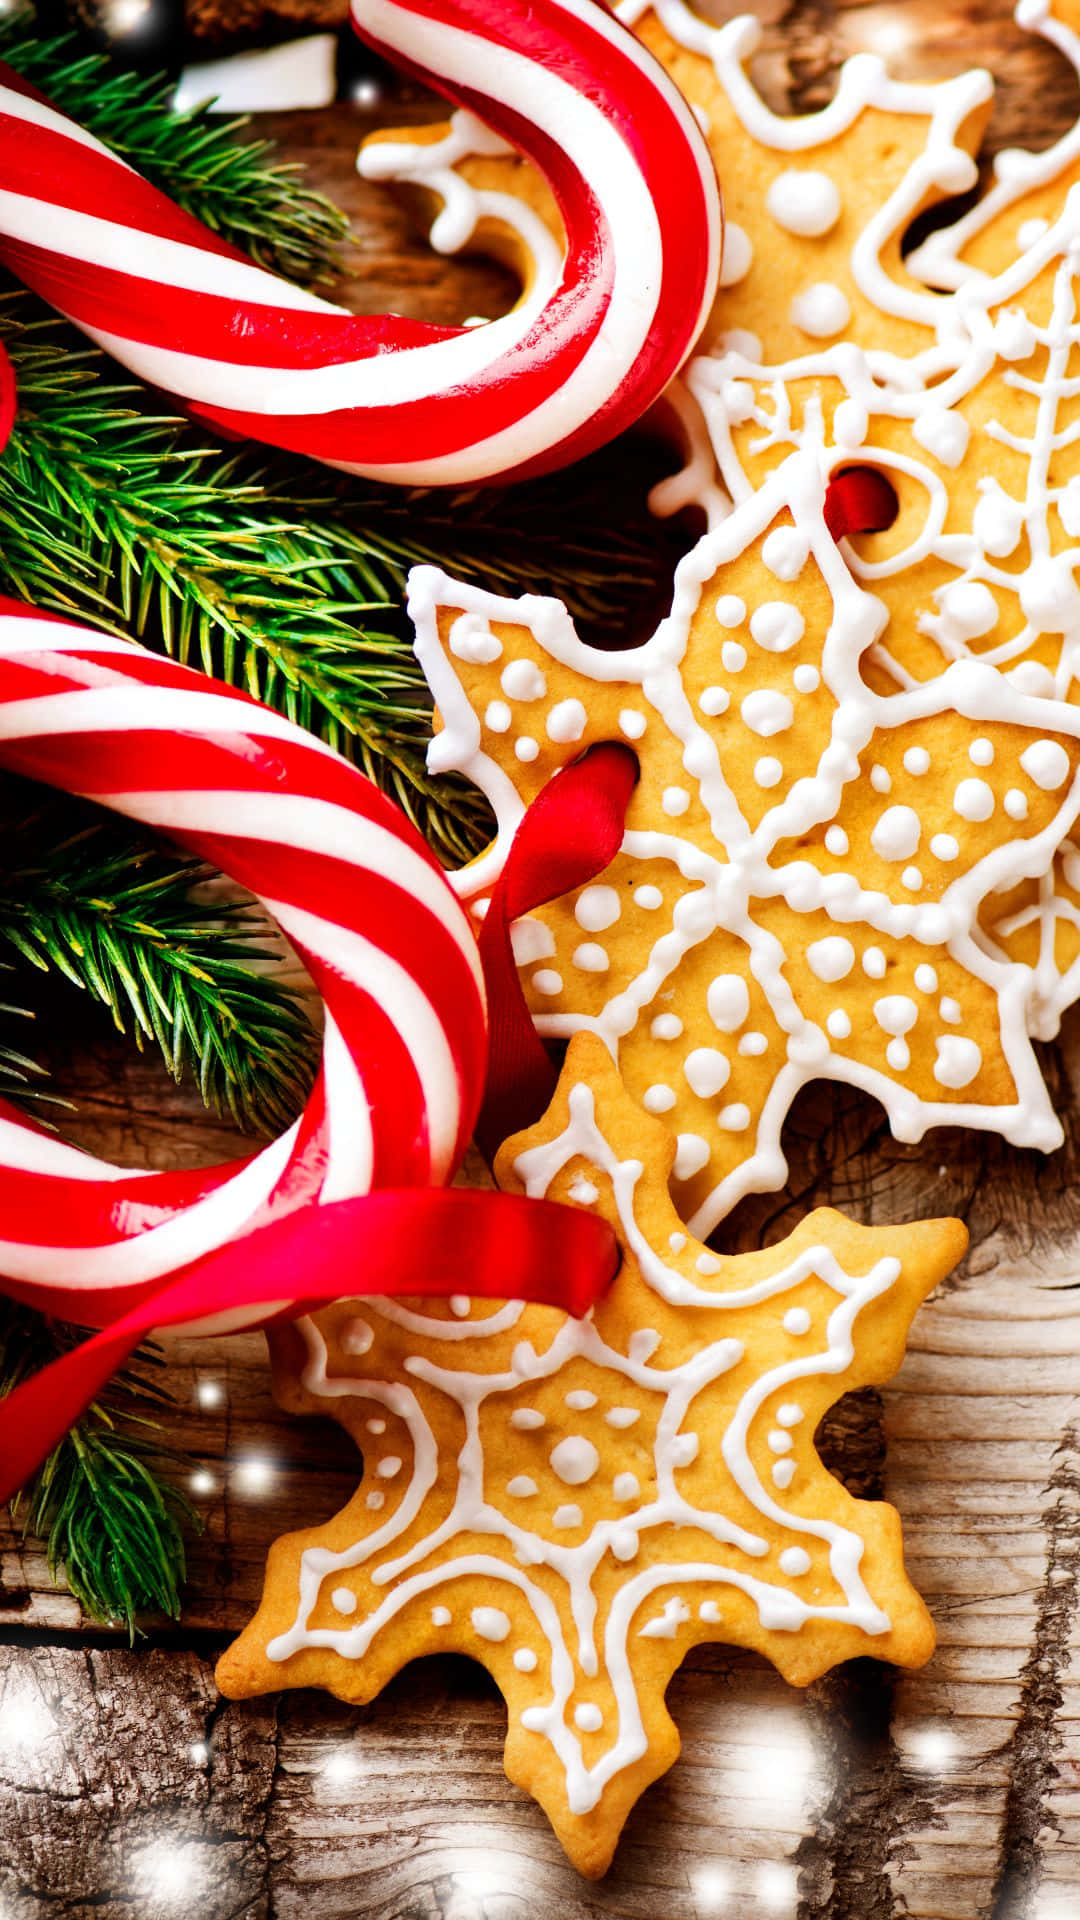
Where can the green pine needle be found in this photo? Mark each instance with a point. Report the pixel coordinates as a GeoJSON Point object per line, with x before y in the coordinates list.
{"type": "Point", "coordinates": [112, 1523]}
{"type": "Point", "coordinates": [98, 902]}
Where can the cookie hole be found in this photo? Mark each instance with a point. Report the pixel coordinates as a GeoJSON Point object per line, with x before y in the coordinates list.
{"type": "Point", "coordinates": [860, 499]}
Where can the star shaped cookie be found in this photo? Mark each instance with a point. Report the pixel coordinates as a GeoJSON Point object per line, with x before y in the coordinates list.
{"type": "Point", "coordinates": [577, 1503]}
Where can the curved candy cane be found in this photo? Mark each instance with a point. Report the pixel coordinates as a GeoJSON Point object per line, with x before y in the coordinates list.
{"type": "Point", "coordinates": [382, 395]}
{"type": "Point", "coordinates": [353, 886]}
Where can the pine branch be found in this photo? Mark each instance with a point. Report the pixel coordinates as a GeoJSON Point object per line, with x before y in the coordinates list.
{"type": "Point", "coordinates": [112, 1522]}
{"type": "Point", "coordinates": [112, 913]}
{"type": "Point", "coordinates": [234, 186]}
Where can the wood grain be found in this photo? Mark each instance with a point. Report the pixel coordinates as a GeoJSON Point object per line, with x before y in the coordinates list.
{"type": "Point", "coordinates": [951, 1794]}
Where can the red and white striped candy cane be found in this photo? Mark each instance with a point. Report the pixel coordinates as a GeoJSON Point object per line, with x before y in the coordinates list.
{"type": "Point", "coordinates": [359, 895]}
{"type": "Point", "coordinates": [563, 81]}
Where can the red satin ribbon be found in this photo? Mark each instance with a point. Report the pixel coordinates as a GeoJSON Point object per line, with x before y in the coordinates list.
{"type": "Point", "coordinates": [405, 1240]}
{"type": "Point", "coordinates": [859, 500]}
{"type": "Point", "coordinates": [8, 398]}
{"type": "Point", "coordinates": [570, 833]}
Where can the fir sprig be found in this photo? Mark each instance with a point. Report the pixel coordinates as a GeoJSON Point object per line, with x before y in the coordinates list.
{"type": "Point", "coordinates": [112, 1521]}
{"type": "Point", "coordinates": [117, 915]}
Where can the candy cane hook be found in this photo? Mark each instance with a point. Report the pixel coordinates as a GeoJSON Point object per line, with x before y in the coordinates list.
{"type": "Point", "coordinates": [570, 87]}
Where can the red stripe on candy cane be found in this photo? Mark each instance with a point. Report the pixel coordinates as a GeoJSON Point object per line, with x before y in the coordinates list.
{"type": "Point", "coordinates": [568, 85]}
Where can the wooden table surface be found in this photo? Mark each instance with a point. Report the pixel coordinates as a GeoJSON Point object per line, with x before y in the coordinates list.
{"type": "Point", "coordinates": [128, 1788]}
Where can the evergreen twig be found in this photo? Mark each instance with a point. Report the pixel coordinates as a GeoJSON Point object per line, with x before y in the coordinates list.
{"type": "Point", "coordinates": [111, 1520]}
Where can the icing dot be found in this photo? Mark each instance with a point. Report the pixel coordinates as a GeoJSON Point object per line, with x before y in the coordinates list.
{"type": "Point", "coordinates": [584, 1193]}
{"type": "Point", "coordinates": [389, 1468]}
{"type": "Point", "coordinates": [707, 1070]}
{"type": "Point", "coordinates": [943, 433]}
{"type": "Point", "coordinates": [531, 940]}
{"type": "Point", "coordinates": [676, 1241]}
{"type": "Point", "coordinates": [356, 1336]}
{"type": "Point", "coordinates": [730, 610]}
{"type": "Point", "coordinates": [522, 680]}
{"type": "Point", "coordinates": [917, 760]}
{"type": "Point", "coordinates": [707, 1263]}
{"type": "Point", "coordinates": [950, 1012]}
{"type": "Point", "coordinates": [621, 1417]}
{"type": "Point", "coordinates": [831, 958]}
{"type": "Point", "coordinates": [912, 879]}
{"type": "Point", "coordinates": [685, 1446]}
{"type": "Point", "coordinates": [944, 846]}
{"type": "Point", "coordinates": [546, 980]}
{"type": "Point", "coordinates": [968, 609]}
{"type": "Point", "coordinates": [375, 1500]}
{"type": "Point", "coordinates": [997, 524]}
{"type": "Point", "coordinates": [789, 1415]}
{"type": "Point", "coordinates": [785, 552]}
{"type": "Point", "coordinates": [580, 1399]}
{"type": "Point", "coordinates": [733, 655]}
{"type": "Point", "coordinates": [981, 753]}
{"type": "Point", "coordinates": [526, 749]}
{"type": "Point", "coordinates": [766, 712]}
{"type": "Point", "coordinates": [851, 424]}
{"type": "Point", "coordinates": [632, 723]}
{"type": "Point", "coordinates": [794, 1561]}
{"type": "Point", "coordinates": [821, 310]}
{"type": "Point", "coordinates": [768, 771]}
{"type": "Point", "coordinates": [666, 1026]}
{"type": "Point", "coordinates": [973, 800]}
{"type": "Point", "coordinates": [625, 1487]}
{"type": "Point", "coordinates": [649, 898]}
{"type": "Point", "coordinates": [658, 1098]}
{"type": "Point", "coordinates": [460, 1305]}
{"type": "Point", "coordinates": [525, 1660]}
{"type": "Point", "coordinates": [776, 626]}
{"type": "Point", "coordinates": [753, 1044]}
{"type": "Point", "coordinates": [897, 834]}
{"type": "Point", "coordinates": [344, 1600]}
{"type": "Point", "coordinates": [958, 1061]}
{"type": "Point", "coordinates": [491, 1623]}
{"type": "Point", "coordinates": [597, 908]}
{"type": "Point", "coordinates": [796, 1320]}
{"type": "Point", "coordinates": [737, 256]}
{"type": "Point", "coordinates": [803, 201]}
{"type": "Point", "coordinates": [1047, 764]}
{"type": "Point", "coordinates": [591, 958]}
{"type": "Point", "coordinates": [566, 721]}
{"type": "Point", "coordinates": [714, 701]}
{"type": "Point", "coordinates": [624, 1543]}
{"type": "Point", "coordinates": [521, 1487]}
{"type": "Point", "coordinates": [526, 1418]}
{"type": "Point", "coordinates": [588, 1718]}
{"type": "Point", "coordinates": [375, 1426]}
{"type": "Point", "coordinates": [895, 1013]}
{"type": "Point", "coordinates": [691, 1154]}
{"type": "Point", "coordinates": [783, 1472]}
{"type": "Point", "coordinates": [1016, 804]}
{"type": "Point", "coordinates": [575, 1460]}
{"type": "Point", "coordinates": [675, 800]}
{"type": "Point", "coordinates": [710, 1611]}
{"type": "Point", "coordinates": [881, 779]}
{"type": "Point", "coordinates": [497, 716]}
{"type": "Point", "coordinates": [728, 1001]}
{"type": "Point", "coordinates": [873, 962]}
{"type": "Point", "coordinates": [734, 1119]}
{"type": "Point", "coordinates": [566, 1518]}
{"type": "Point", "coordinates": [926, 978]}
{"type": "Point", "coordinates": [780, 1442]}
{"type": "Point", "coordinates": [839, 1024]}
{"type": "Point", "coordinates": [806, 679]}
{"type": "Point", "coordinates": [836, 842]}
{"type": "Point", "coordinates": [1014, 336]}
{"type": "Point", "coordinates": [440, 1616]}
{"type": "Point", "coordinates": [471, 639]}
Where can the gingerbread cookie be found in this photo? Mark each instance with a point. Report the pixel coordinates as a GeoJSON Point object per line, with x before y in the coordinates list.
{"type": "Point", "coordinates": [577, 1503]}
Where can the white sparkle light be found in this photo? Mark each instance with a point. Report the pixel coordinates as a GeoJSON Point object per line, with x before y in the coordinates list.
{"type": "Point", "coordinates": [209, 1393]}
{"type": "Point", "coordinates": [711, 1884]}
{"type": "Point", "coordinates": [169, 1870]}
{"type": "Point", "coordinates": [931, 1748]}
{"type": "Point", "coordinates": [776, 1885]}
{"type": "Point", "coordinates": [201, 1482]}
{"type": "Point", "coordinates": [255, 1475]}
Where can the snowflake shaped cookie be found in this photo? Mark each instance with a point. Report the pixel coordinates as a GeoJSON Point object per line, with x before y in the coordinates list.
{"type": "Point", "coordinates": [577, 1503]}
{"type": "Point", "coordinates": [806, 855]}
{"type": "Point", "coordinates": [954, 368]}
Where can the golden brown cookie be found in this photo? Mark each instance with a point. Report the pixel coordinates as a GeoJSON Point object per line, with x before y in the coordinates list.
{"type": "Point", "coordinates": [577, 1503]}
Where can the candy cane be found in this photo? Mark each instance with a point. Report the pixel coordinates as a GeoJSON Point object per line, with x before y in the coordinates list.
{"type": "Point", "coordinates": [353, 886]}
{"type": "Point", "coordinates": [382, 395]}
